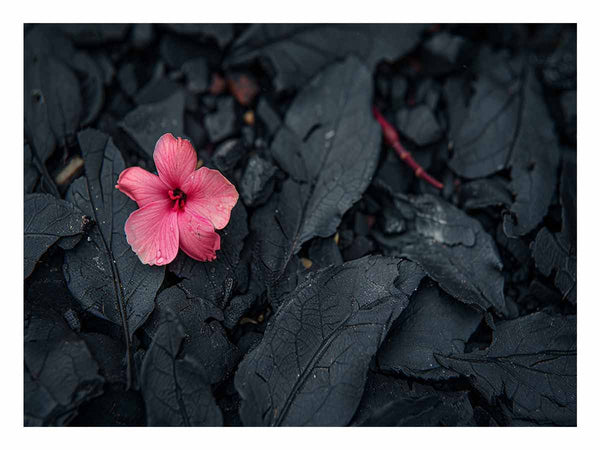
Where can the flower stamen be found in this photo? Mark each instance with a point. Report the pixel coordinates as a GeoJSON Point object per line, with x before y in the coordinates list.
{"type": "Point", "coordinates": [178, 196]}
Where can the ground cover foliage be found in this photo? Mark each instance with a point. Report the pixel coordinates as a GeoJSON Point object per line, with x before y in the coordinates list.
{"type": "Point", "coordinates": [348, 291]}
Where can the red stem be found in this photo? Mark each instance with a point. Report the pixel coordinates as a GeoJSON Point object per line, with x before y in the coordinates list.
{"type": "Point", "coordinates": [392, 139]}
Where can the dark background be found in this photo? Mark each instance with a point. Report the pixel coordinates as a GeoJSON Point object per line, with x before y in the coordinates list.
{"type": "Point", "coordinates": [470, 314]}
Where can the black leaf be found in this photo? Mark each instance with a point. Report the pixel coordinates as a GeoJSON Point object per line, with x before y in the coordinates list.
{"type": "Point", "coordinates": [557, 252]}
{"type": "Point", "coordinates": [484, 135]}
{"type": "Point", "coordinates": [433, 323]}
{"type": "Point", "coordinates": [95, 33]}
{"type": "Point", "coordinates": [60, 372]}
{"type": "Point", "coordinates": [102, 272]}
{"type": "Point", "coordinates": [48, 219]}
{"type": "Point", "coordinates": [299, 51]}
{"type": "Point", "coordinates": [531, 364]}
{"type": "Point", "coordinates": [222, 32]}
{"type": "Point", "coordinates": [175, 389]}
{"type": "Point", "coordinates": [453, 249]}
{"type": "Point", "coordinates": [424, 410]}
{"type": "Point", "coordinates": [534, 163]}
{"type": "Point", "coordinates": [206, 340]}
{"type": "Point", "coordinates": [148, 122]}
{"type": "Point", "coordinates": [478, 194]}
{"type": "Point", "coordinates": [330, 147]}
{"type": "Point", "coordinates": [311, 366]}
{"type": "Point", "coordinates": [506, 125]}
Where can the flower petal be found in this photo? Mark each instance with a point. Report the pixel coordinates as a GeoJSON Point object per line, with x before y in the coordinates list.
{"type": "Point", "coordinates": [175, 159]}
{"type": "Point", "coordinates": [142, 186]}
{"type": "Point", "coordinates": [210, 195]}
{"type": "Point", "coordinates": [197, 236]}
{"type": "Point", "coordinates": [153, 234]}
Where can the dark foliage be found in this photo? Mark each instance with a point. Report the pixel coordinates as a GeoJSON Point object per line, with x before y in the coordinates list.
{"type": "Point", "coordinates": [348, 290]}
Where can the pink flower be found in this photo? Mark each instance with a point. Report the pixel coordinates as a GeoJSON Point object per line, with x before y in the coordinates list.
{"type": "Point", "coordinates": [181, 207]}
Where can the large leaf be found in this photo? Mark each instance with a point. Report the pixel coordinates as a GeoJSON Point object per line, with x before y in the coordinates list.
{"type": "Point", "coordinates": [534, 163]}
{"type": "Point", "coordinates": [531, 365]}
{"type": "Point", "coordinates": [506, 125]}
{"type": "Point", "coordinates": [433, 323]}
{"type": "Point", "coordinates": [453, 249]}
{"type": "Point", "coordinates": [330, 147]}
{"type": "Point", "coordinates": [175, 388]}
{"type": "Point", "coordinates": [311, 366]}
{"type": "Point", "coordinates": [47, 220]}
{"type": "Point", "coordinates": [483, 136]}
{"type": "Point", "coordinates": [102, 272]}
{"type": "Point", "coordinates": [299, 51]}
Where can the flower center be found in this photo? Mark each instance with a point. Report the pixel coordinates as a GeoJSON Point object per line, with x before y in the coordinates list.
{"type": "Point", "coordinates": [178, 197]}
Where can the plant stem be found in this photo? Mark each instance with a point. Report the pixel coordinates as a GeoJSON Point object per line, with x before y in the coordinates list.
{"type": "Point", "coordinates": [392, 139]}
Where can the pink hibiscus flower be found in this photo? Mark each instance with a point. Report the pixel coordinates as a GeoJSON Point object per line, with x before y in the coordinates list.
{"type": "Point", "coordinates": [181, 207]}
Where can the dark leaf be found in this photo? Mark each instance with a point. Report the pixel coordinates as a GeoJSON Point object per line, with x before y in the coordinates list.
{"type": "Point", "coordinates": [506, 125]}
{"type": "Point", "coordinates": [148, 122]}
{"type": "Point", "coordinates": [52, 103]}
{"type": "Point", "coordinates": [228, 154]}
{"type": "Point", "coordinates": [531, 365]}
{"type": "Point", "coordinates": [419, 125]}
{"type": "Point", "coordinates": [48, 219]}
{"type": "Point", "coordinates": [177, 50]}
{"type": "Point", "coordinates": [60, 89]}
{"type": "Point", "coordinates": [91, 81]}
{"type": "Point", "coordinates": [311, 366]}
{"type": "Point", "coordinates": [559, 71]}
{"type": "Point", "coordinates": [205, 339]}
{"type": "Point", "coordinates": [175, 389]}
{"type": "Point", "coordinates": [535, 160]}
{"type": "Point", "coordinates": [95, 33]}
{"type": "Point", "coordinates": [557, 252]}
{"type": "Point", "coordinates": [31, 174]}
{"type": "Point", "coordinates": [380, 389]}
{"type": "Point", "coordinates": [45, 92]}
{"type": "Point", "coordinates": [268, 115]}
{"type": "Point", "coordinates": [156, 90]}
{"type": "Point", "coordinates": [298, 51]}
{"type": "Point", "coordinates": [424, 410]}
{"type": "Point", "coordinates": [478, 194]}
{"type": "Point", "coordinates": [222, 32]}
{"type": "Point", "coordinates": [221, 123]}
{"type": "Point", "coordinates": [324, 252]}
{"type": "Point", "coordinates": [330, 147]}
{"type": "Point", "coordinates": [256, 184]}
{"type": "Point", "coordinates": [433, 323]}
{"type": "Point", "coordinates": [454, 250]}
{"type": "Point", "coordinates": [237, 307]}
{"type": "Point", "coordinates": [197, 73]}
{"type": "Point", "coordinates": [128, 80]}
{"type": "Point", "coordinates": [102, 272]}
{"type": "Point", "coordinates": [142, 35]}
{"type": "Point", "coordinates": [115, 407]}
{"type": "Point", "coordinates": [483, 138]}
{"type": "Point", "coordinates": [60, 372]}
{"type": "Point", "coordinates": [108, 352]}
{"type": "Point", "coordinates": [447, 48]}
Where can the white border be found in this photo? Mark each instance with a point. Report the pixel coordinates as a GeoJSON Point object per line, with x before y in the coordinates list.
{"type": "Point", "coordinates": [303, 11]}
